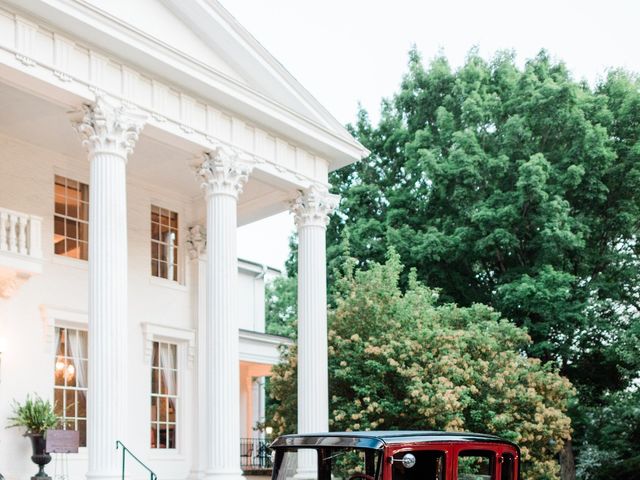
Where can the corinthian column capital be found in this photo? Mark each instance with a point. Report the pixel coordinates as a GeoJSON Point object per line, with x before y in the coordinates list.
{"type": "Point", "coordinates": [223, 172]}
{"type": "Point", "coordinates": [109, 127]}
{"type": "Point", "coordinates": [313, 207]}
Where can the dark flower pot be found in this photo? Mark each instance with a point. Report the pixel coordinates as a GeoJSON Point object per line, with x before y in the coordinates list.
{"type": "Point", "coordinates": [40, 457]}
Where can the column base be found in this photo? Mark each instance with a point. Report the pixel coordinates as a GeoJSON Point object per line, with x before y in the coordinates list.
{"type": "Point", "coordinates": [224, 475]}
{"type": "Point", "coordinates": [196, 475]}
{"type": "Point", "coordinates": [105, 476]}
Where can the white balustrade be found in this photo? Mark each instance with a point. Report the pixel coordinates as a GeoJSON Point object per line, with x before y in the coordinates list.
{"type": "Point", "coordinates": [20, 233]}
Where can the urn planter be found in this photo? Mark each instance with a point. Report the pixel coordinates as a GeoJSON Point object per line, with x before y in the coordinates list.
{"type": "Point", "coordinates": [40, 457]}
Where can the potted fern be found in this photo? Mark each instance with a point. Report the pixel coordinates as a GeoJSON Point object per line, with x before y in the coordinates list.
{"type": "Point", "coordinates": [36, 416]}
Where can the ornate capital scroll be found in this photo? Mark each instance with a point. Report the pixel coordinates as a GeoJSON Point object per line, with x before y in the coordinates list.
{"type": "Point", "coordinates": [109, 127]}
{"type": "Point", "coordinates": [196, 241]}
{"type": "Point", "coordinates": [313, 207]}
{"type": "Point", "coordinates": [224, 172]}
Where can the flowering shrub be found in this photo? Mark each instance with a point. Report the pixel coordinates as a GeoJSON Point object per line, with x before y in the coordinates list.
{"type": "Point", "coordinates": [398, 361]}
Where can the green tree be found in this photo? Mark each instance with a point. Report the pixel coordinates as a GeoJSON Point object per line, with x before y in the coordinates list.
{"type": "Point", "coordinates": [281, 299]}
{"type": "Point", "coordinates": [396, 360]}
{"type": "Point", "coordinates": [515, 188]}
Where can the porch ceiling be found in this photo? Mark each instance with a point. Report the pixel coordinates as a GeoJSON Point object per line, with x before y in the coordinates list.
{"type": "Point", "coordinates": [34, 120]}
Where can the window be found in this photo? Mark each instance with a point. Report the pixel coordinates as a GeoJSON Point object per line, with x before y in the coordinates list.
{"type": "Point", "coordinates": [164, 395]}
{"type": "Point", "coordinates": [476, 465]}
{"type": "Point", "coordinates": [71, 218]}
{"type": "Point", "coordinates": [430, 464]}
{"type": "Point", "coordinates": [329, 463]}
{"type": "Point", "coordinates": [70, 380]}
{"type": "Point", "coordinates": [507, 462]}
{"type": "Point", "coordinates": [164, 243]}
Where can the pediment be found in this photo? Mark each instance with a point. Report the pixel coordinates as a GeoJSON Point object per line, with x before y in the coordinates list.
{"type": "Point", "coordinates": [206, 32]}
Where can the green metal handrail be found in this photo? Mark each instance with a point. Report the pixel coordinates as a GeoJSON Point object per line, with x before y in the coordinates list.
{"type": "Point", "coordinates": [125, 450]}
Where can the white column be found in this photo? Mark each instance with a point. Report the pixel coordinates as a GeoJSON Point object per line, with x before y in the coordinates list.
{"type": "Point", "coordinates": [312, 209]}
{"type": "Point", "coordinates": [196, 243]}
{"type": "Point", "coordinates": [109, 133]}
{"type": "Point", "coordinates": [224, 176]}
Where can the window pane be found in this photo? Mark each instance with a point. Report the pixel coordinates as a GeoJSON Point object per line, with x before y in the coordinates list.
{"type": "Point", "coordinates": [58, 227]}
{"type": "Point", "coordinates": [83, 250]}
{"type": "Point", "coordinates": [154, 435]}
{"type": "Point", "coordinates": [83, 212]}
{"type": "Point", "coordinates": [60, 202]}
{"type": "Point", "coordinates": [59, 247]}
{"type": "Point", "coordinates": [82, 404]}
{"type": "Point", "coordinates": [475, 465]}
{"type": "Point", "coordinates": [69, 403]}
{"type": "Point", "coordinates": [171, 443]}
{"type": "Point", "coordinates": [507, 467]}
{"type": "Point", "coordinates": [154, 268]}
{"type": "Point", "coordinates": [58, 402]}
{"type": "Point", "coordinates": [82, 428]}
{"type": "Point", "coordinates": [430, 464]}
{"type": "Point", "coordinates": [83, 231]}
{"type": "Point", "coordinates": [171, 378]}
{"type": "Point", "coordinates": [72, 248]}
{"type": "Point", "coordinates": [72, 208]}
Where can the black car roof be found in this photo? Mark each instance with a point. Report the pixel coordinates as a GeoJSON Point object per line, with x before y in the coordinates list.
{"type": "Point", "coordinates": [378, 439]}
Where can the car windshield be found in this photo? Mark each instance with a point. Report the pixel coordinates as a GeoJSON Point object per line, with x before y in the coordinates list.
{"type": "Point", "coordinates": [328, 463]}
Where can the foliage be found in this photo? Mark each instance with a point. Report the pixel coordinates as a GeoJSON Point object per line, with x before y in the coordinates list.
{"type": "Point", "coordinates": [35, 414]}
{"type": "Point", "coordinates": [611, 449]}
{"type": "Point", "coordinates": [281, 298]}
{"type": "Point", "coordinates": [398, 361]}
{"type": "Point", "coordinates": [515, 188]}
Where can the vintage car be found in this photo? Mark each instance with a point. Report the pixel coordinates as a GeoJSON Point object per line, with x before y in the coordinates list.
{"type": "Point", "coordinates": [395, 455]}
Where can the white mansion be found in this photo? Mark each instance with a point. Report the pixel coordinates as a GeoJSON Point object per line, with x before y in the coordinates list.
{"type": "Point", "coordinates": [135, 137]}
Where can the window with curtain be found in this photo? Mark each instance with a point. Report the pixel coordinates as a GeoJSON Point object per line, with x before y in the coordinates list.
{"type": "Point", "coordinates": [70, 380]}
{"type": "Point", "coordinates": [164, 243]}
{"type": "Point", "coordinates": [164, 395]}
{"type": "Point", "coordinates": [71, 218]}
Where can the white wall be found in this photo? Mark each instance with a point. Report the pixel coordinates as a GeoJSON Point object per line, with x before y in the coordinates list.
{"type": "Point", "coordinates": [26, 185]}
{"type": "Point", "coordinates": [251, 309]}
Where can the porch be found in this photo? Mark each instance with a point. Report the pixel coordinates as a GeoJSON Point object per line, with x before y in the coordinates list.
{"type": "Point", "coordinates": [156, 290]}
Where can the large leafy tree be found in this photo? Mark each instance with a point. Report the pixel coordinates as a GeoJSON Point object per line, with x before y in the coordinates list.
{"type": "Point", "coordinates": [515, 188]}
{"type": "Point", "coordinates": [396, 360]}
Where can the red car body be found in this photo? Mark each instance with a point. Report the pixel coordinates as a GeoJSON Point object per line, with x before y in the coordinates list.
{"type": "Point", "coordinates": [396, 455]}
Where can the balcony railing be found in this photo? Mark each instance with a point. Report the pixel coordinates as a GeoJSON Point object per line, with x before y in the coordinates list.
{"type": "Point", "coordinates": [20, 233]}
{"type": "Point", "coordinates": [255, 456]}
{"type": "Point", "coordinates": [20, 249]}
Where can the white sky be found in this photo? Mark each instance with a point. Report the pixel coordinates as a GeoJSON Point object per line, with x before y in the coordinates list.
{"type": "Point", "coordinates": [351, 51]}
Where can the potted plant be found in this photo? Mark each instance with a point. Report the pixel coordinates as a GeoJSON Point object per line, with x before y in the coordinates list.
{"type": "Point", "coordinates": [36, 416]}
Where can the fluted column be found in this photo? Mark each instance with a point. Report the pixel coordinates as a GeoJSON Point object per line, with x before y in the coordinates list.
{"type": "Point", "coordinates": [312, 209]}
{"type": "Point", "coordinates": [223, 175]}
{"type": "Point", "coordinates": [109, 133]}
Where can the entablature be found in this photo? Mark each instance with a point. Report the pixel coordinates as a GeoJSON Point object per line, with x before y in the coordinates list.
{"type": "Point", "coordinates": [48, 62]}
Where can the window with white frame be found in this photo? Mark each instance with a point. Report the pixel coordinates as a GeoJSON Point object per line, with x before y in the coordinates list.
{"type": "Point", "coordinates": [164, 243]}
{"type": "Point", "coordinates": [71, 218]}
{"type": "Point", "coordinates": [70, 380]}
{"type": "Point", "coordinates": [164, 395]}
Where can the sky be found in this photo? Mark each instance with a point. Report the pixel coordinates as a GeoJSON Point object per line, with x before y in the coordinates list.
{"type": "Point", "coordinates": [354, 52]}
